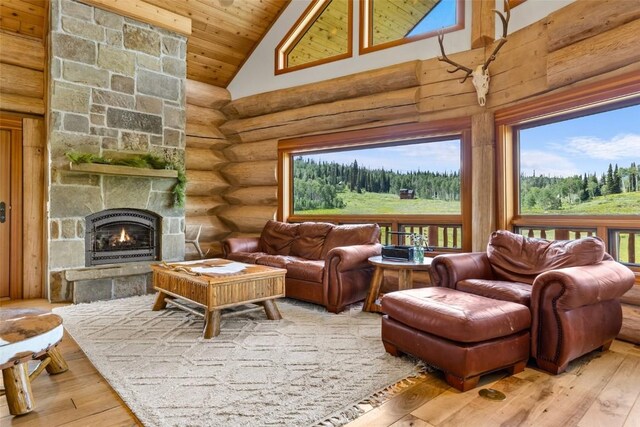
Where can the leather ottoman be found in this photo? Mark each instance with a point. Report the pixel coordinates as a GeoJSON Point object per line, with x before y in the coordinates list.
{"type": "Point", "coordinates": [462, 334]}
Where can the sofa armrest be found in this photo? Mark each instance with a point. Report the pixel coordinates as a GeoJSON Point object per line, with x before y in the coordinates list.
{"type": "Point", "coordinates": [448, 269]}
{"type": "Point", "coordinates": [575, 287]}
{"type": "Point", "coordinates": [345, 258]}
{"type": "Point", "coordinates": [240, 244]}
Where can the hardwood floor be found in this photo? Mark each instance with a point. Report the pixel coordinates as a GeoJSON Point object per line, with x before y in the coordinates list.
{"type": "Point", "coordinates": [599, 389]}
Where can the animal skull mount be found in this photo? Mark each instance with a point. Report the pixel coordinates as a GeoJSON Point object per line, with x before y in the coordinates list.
{"type": "Point", "coordinates": [480, 80]}
{"type": "Point", "coordinates": [480, 76]}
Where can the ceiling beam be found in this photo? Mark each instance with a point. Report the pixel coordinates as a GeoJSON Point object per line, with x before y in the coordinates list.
{"type": "Point", "coordinates": [145, 12]}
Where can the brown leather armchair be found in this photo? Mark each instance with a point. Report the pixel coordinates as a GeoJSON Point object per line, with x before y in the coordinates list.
{"type": "Point", "coordinates": [572, 288]}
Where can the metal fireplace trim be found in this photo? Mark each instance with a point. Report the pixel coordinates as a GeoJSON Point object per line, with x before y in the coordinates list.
{"type": "Point", "coordinates": [141, 217]}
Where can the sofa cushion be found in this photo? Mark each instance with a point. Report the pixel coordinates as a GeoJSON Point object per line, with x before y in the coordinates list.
{"type": "Point", "coordinates": [349, 235]}
{"type": "Point", "coordinates": [310, 240]}
{"type": "Point", "coordinates": [305, 269]}
{"type": "Point", "coordinates": [498, 289]}
{"type": "Point", "coordinates": [246, 257]}
{"type": "Point", "coordinates": [278, 261]}
{"type": "Point", "coordinates": [276, 237]}
{"type": "Point", "coordinates": [521, 259]}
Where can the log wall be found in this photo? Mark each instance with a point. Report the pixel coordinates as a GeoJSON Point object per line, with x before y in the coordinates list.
{"type": "Point", "coordinates": [204, 161]}
{"type": "Point", "coordinates": [553, 55]}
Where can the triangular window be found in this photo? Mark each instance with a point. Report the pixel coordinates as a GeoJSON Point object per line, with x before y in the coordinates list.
{"type": "Point", "coordinates": [321, 35]}
{"type": "Point", "coordinates": [386, 23]}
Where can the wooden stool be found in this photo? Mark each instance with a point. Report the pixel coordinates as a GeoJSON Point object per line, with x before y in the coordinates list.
{"type": "Point", "coordinates": [25, 335]}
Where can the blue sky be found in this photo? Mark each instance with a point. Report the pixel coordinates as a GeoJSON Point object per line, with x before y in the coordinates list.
{"type": "Point", "coordinates": [583, 145]}
{"type": "Point", "coordinates": [440, 156]}
{"type": "Point", "coordinates": [443, 15]}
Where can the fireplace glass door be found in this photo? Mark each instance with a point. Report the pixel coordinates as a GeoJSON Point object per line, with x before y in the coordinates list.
{"type": "Point", "coordinates": [122, 235]}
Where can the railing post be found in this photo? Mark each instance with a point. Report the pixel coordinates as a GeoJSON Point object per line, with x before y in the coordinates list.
{"type": "Point", "coordinates": [632, 248]}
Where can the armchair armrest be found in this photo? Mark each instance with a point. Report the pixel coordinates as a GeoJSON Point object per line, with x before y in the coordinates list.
{"type": "Point", "coordinates": [449, 269]}
{"type": "Point", "coordinates": [575, 287]}
{"type": "Point", "coordinates": [240, 244]}
{"type": "Point", "coordinates": [345, 258]}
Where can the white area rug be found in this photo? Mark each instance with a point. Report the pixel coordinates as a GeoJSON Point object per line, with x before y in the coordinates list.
{"type": "Point", "coordinates": [308, 368]}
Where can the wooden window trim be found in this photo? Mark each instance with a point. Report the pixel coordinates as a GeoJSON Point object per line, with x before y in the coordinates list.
{"type": "Point", "coordinates": [619, 91]}
{"type": "Point", "coordinates": [365, 33]}
{"type": "Point", "coordinates": [280, 65]}
{"type": "Point", "coordinates": [382, 136]}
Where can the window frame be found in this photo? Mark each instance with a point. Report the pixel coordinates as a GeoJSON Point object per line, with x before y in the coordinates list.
{"type": "Point", "coordinates": [382, 136]}
{"type": "Point", "coordinates": [300, 28]}
{"type": "Point", "coordinates": [608, 94]}
{"type": "Point", "coordinates": [365, 30]}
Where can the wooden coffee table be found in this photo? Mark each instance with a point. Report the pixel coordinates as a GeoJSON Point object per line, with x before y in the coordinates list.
{"type": "Point", "coordinates": [214, 284]}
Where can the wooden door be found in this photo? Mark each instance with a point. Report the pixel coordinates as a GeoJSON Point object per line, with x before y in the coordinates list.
{"type": "Point", "coordinates": [10, 207]}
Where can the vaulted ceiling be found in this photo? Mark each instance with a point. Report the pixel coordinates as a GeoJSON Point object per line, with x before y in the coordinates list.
{"type": "Point", "coordinates": [224, 32]}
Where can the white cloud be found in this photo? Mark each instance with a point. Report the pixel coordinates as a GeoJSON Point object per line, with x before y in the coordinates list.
{"type": "Point", "coordinates": [546, 163]}
{"type": "Point", "coordinates": [619, 147]}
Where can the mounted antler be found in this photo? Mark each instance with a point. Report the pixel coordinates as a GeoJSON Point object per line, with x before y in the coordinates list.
{"type": "Point", "coordinates": [480, 76]}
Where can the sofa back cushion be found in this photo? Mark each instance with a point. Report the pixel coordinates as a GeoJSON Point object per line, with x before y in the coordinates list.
{"type": "Point", "coordinates": [277, 237]}
{"type": "Point", "coordinates": [521, 259]}
{"type": "Point", "coordinates": [310, 240]}
{"type": "Point", "coordinates": [351, 234]}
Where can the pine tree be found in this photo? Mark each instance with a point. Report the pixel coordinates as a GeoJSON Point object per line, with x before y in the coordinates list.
{"type": "Point", "coordinates": [616, 187]}
{"type": "Point", "coordinates": [609, 180]}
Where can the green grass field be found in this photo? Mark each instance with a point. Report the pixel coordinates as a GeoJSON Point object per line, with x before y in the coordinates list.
{"type": "Point", "coordinates": [613, 204]}
{"type": "Point", "coordinates": [376, 203]}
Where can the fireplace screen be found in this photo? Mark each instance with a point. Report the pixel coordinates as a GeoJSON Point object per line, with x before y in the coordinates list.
{"type": "Point", "coordinates": [122, 235]}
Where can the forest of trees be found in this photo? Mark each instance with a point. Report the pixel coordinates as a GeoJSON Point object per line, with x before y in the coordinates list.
{"type": "Point", "coordinates": [317, 184]}
{"type": "Point", "coordinates": [552, 193]}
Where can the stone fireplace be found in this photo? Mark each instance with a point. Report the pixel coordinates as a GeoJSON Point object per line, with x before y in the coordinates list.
{"type": "Point", "coordinates": [117, 90]}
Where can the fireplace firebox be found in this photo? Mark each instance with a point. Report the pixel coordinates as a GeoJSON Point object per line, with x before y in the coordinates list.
{"type": "Point", "coordinates": [122, 235]}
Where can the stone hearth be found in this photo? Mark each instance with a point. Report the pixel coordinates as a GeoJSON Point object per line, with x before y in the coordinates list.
{"type": "Point", "coordinates": [117, 90]}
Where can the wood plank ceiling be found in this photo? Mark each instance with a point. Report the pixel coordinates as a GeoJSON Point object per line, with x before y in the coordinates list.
{"type": "Point", "coordinates": [225, 33]}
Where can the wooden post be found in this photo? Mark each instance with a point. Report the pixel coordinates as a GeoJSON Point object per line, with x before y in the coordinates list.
{"type": "Point", "coordinates": [483, 21]}
{"type": "Point", "coordinates": [57, 365]}
{"type": "Point", "coordinates": [483, 210]}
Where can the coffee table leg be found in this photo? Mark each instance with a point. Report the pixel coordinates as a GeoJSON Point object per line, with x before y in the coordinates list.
{"type": "Point", "coordinates": [271, 309]}
{"type": "Point", "coordinates": [211, 323]}
{"type": "Point", "coordinates": [374, 290]}
{"type": "Point", "coordinates": [159, 303]}
{"type": "Point", "coordinates": [405, 279]}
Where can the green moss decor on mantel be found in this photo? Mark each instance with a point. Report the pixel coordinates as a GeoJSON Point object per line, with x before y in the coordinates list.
{"type": "Point", "coordinates": [145, 161]}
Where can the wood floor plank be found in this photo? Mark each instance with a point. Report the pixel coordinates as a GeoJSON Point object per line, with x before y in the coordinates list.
{"type": "Point", "coordinates": [633, 418]}
{"type": "Point", "coordinates": [614, 403]}
{"type": "Point", "coordinates": [587, 377]}
{"type": "Point", "coordinates": [411, 421]}
{"type": "Point", "coordinates": [402, 404]}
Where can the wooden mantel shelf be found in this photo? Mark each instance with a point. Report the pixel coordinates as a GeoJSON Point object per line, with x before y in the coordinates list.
{"type": "Point", "coordinates": [101, 169]}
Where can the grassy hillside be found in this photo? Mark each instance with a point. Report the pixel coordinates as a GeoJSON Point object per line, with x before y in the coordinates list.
{"type": "Point", "coordinates": [613, 204]}
{"type": "Point", "coordinates": [376, 203]}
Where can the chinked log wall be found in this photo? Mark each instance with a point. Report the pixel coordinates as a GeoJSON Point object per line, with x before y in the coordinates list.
{"type": "Point", "coordinates": [581, 43]}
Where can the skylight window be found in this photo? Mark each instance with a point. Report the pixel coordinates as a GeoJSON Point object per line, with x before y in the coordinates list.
{"type": "Point", "coordinates": [321, 35]}
{"type": "Point", "coordinates": [387, 23]}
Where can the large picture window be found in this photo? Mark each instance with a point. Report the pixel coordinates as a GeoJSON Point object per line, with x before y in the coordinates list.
{"type": "Point", "coordinates": [407, 178]}
{"type": "Point", "coordinates": [413, 178]}
{"type": "Point", "coordinates": [586, 165]}
{"type": "Point", "coordinates": [569, 166]}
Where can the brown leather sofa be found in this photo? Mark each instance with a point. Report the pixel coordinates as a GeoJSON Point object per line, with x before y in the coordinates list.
{"type": "Point", "coordinates": [572, 288]}
{"type": "Point", "coordinates": [326, 264]}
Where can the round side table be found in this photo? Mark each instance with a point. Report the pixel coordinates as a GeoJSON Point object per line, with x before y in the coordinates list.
{"type": "Point", "coordinates": [405, 277]}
